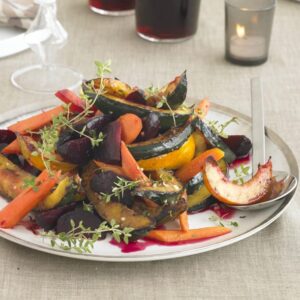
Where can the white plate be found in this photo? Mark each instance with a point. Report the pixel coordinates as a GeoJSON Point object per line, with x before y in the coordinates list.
{"type": "Point", "coordinates": [11, 41]}
{"type": "Point", "coordinates": [282, 157]}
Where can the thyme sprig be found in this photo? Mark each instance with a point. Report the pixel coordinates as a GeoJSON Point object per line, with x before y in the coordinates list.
{"type": "Point", "coordinates": [30, 182]}
{"type": "Point", "coordinates": [219, 129]}
{"type": "Point", "coordinates": [119, 189]}
{"type": "Point", "coordinates": [240, 173]}
{"type": "Point", "coordinates": [49, 135]}
{"type": "Point", "coordinates": [163, 101]}
{"type": "Point", "coordinates": [82, 239]}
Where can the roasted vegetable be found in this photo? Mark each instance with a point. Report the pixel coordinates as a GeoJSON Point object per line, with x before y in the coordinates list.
{"type": "Point", "coordinates": [137, 95]}
{"type": "Point", "coordinates": [215, 141]}
{"type": "Point", "coordinates": [239, 144]}
{"type": "Point", "coordinates": [31, 154]}
{"type": "Point", "coordinates": [6, 137]}
{"type": "Point", "coordinates": [117, 106]}
{"type": "Point", "coordinates": [175, 91]}
{"type": "Point", "coordinates": [12, 178]}
{"type": "Point", "coordinates": [200, 142]}
{"type": "Point", "coordinates": [171, 160]}
{"type": "Point", "coordinates": [151, 127]}
{"type": "Point", "coordinates": [166, 189]}
{"type": "Point", "coordinates": [109, 150]}
{"type": "Point", "coordinates": [112, 210]}
{"type": "Point", "coordinates": [172, 140]}
{"type": "Point", "coordinates": [255, 190]}
{"type": "Point", "coordinates": [88, 220]}
{"type": "Point", "coordinates": [47, 219]}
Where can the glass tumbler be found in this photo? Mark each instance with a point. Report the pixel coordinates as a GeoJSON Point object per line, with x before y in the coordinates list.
{"type": "Point", "coordinates": [166, 20]}
{"type": "Point", "coordinates": [248, 26]}
{"type": "Point", "coordinates": [112, 7]}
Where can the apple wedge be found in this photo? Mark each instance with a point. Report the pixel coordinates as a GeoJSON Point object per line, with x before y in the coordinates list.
{"type": "Point", "coordinates": [255, 190]}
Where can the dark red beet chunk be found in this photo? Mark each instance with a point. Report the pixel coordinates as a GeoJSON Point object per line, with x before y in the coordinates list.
{"type": "Point", "coordinates": [104, 182]}
{"type": "Point", "coordinates": [110, 149]}
{"type": "Point", "coordinates": [76, 151]}
{"type": "Point", "coordinates": [47, 219]}
{"type": "Point", "coordinates": [137, 96]}
{"type": "Point", "coordinates": [88, 219]}
{"type": "Point", "coordinates": [239, 144]}
{"type": "Point", "coordinates": [6, 136]}
{"type": "Point", "coordinates": [151, 126]}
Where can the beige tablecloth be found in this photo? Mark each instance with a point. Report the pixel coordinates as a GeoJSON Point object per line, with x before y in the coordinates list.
{"type": "Point", "coordinates": [265, 266]}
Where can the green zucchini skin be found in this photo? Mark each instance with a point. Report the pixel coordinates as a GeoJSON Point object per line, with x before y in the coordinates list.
{"type": "Point", "coordinates": [178, 95]}
{"type": "Point", "coordinates": [215, 141]}
{"type": "Point", "coordinates": [165, 143]}
{"type": "Point", "coordinates": [167, 192]}
{"type": "Point", "coordinates": [199, 198]}
{"type": "Point", "coordinates": [117, 106]}
{"type": "Point", "coordinates": [114, 210]}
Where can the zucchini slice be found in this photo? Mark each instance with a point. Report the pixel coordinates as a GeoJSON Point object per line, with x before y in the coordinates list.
{"type": "Point", "coordinates": [171, 140]}
{"type": "Point", "coordinates": [215, 141]}
{"type": "Point", "coordinates": [175, 91]}
{"type": "Point", "coordinates": [165, 191]}
{"type": "Point", "coordinates": [117, 106]}
{"type": "Point", "coordinates": [199, 198]}
{"type": "Point", "coordinates": [114, 210]}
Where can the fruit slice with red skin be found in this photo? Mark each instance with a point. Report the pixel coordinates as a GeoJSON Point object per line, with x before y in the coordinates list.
{"type": "Point", "coordinates": [255, 190]}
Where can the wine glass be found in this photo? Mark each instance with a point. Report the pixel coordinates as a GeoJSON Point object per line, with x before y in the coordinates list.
{"type": "Point", "coordinates": [46, 36]}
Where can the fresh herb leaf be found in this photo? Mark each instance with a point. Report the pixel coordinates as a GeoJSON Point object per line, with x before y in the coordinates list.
{"type": "Point", "coordinates": [234, 223]}
{"type": "Point", "coordinates": [30, 182]}
{"type": "Point", "coordinates": [219, 129]}
{"type": "Point", "coordinates": [82, 239]}
{"type": "Point", "coordinates": [87, 207]}
{"type": "Point", "coordinates": [119, 188]}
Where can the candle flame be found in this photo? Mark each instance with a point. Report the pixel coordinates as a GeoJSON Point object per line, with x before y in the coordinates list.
{"type": "Point", "coordinates": [240, 31]}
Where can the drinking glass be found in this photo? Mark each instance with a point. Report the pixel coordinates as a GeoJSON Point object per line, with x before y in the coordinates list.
{"type": "Point", "coordinates": [112, 7]}
{"type": "Point", "coordinates": [46, 36]}
{"type": "Point", "coordinates": [166, 20]}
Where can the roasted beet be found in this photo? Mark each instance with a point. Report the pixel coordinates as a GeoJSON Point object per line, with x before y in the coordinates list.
{"type": "Point", "coordinates": [137, 96]}
{"type": "Point", "coordinates": [110, 149]}
{"type": "Point", "coordinates": [6, 136]}
{"type": "Point", "coordinates": [240, 145]}
{"type": "Point", "coordinates": [104, 182]}
{"type": "Point", "coordinates": [151, 127]}
{"type": "Point", "coordinates": [76, 151]}
{"type": "Point", "coordinates": [96, 124]}
{"type": "Point", "coordinates": [88, 219]}
{"type": "Point", "coordinates": [47, 219]}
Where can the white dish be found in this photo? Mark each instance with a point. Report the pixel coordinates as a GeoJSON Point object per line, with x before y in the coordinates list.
{"type": "Point", "coordinates": [11, 41]}
{"type": "Point", "coordinates": [249, 224]}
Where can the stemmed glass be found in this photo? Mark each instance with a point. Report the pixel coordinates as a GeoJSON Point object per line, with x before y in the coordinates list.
{"type": "Point", "coordinates": [46, 36]}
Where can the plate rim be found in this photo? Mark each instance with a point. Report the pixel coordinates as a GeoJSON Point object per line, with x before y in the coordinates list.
{"type": "Point", "coordinates": [292, 162]}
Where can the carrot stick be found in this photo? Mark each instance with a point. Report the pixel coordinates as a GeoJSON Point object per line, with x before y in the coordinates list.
{"type": "Point", "coordinates": [171, 236]}
{"type": "Point", "coordinates": [189, 170]}
{"type": "Point", "coordinates": [131, 126]}
{"type": "Point", "coordinates": [36, 121]}
{"type": "Point", "coordinates": [107, 167]}
{"type": "Point", "coordinates": [184, 221]}
{"type": "Point", "coordinates": [12, 148]}
{"type": "Point", "coordinates": [18, 208]}
{"type": "Point", "coordinates": [202, 108]}
{"type": "Point", "coordinates": [130, 166]}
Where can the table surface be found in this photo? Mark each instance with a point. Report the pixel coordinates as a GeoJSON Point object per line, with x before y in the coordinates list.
{"type": "Point", "coordinates": [264, 266]}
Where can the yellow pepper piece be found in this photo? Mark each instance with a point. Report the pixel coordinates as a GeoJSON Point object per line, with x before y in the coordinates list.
{"type": "Point", "coordinates": [172, 160]}
{"type": "Point", "coordinates": [57, 195]}
{"type": "Point", "coordinates": [27, 148]}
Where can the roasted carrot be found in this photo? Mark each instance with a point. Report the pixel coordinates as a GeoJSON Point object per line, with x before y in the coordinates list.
{"type": "Point", "coordinates": [130, 166]}
{"type": "Point", "coordinates": [184, 221]}
{"type": "Point", "coordinates": [36, 121]}
{"type": "Point", "coordinates": [12, 148]}
{"type": "Point", "coordinates": [20, 206]}
{"type": "Point", "coordinates": [189, 170]}
{"type": "Point", "coordinates": [131, 126]}
{"type": "Point", "coordinates": [202, 108]}
{"type": "Point", "coordinates": [107, 167]}
{"type": "Point", "coordinates": [174, 236]}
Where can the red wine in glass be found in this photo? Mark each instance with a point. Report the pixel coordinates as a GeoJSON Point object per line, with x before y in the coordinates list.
{"type": "Point", "coordinates": [166, 20]}
{"type": "Point", "coordinates": [112, 7]}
